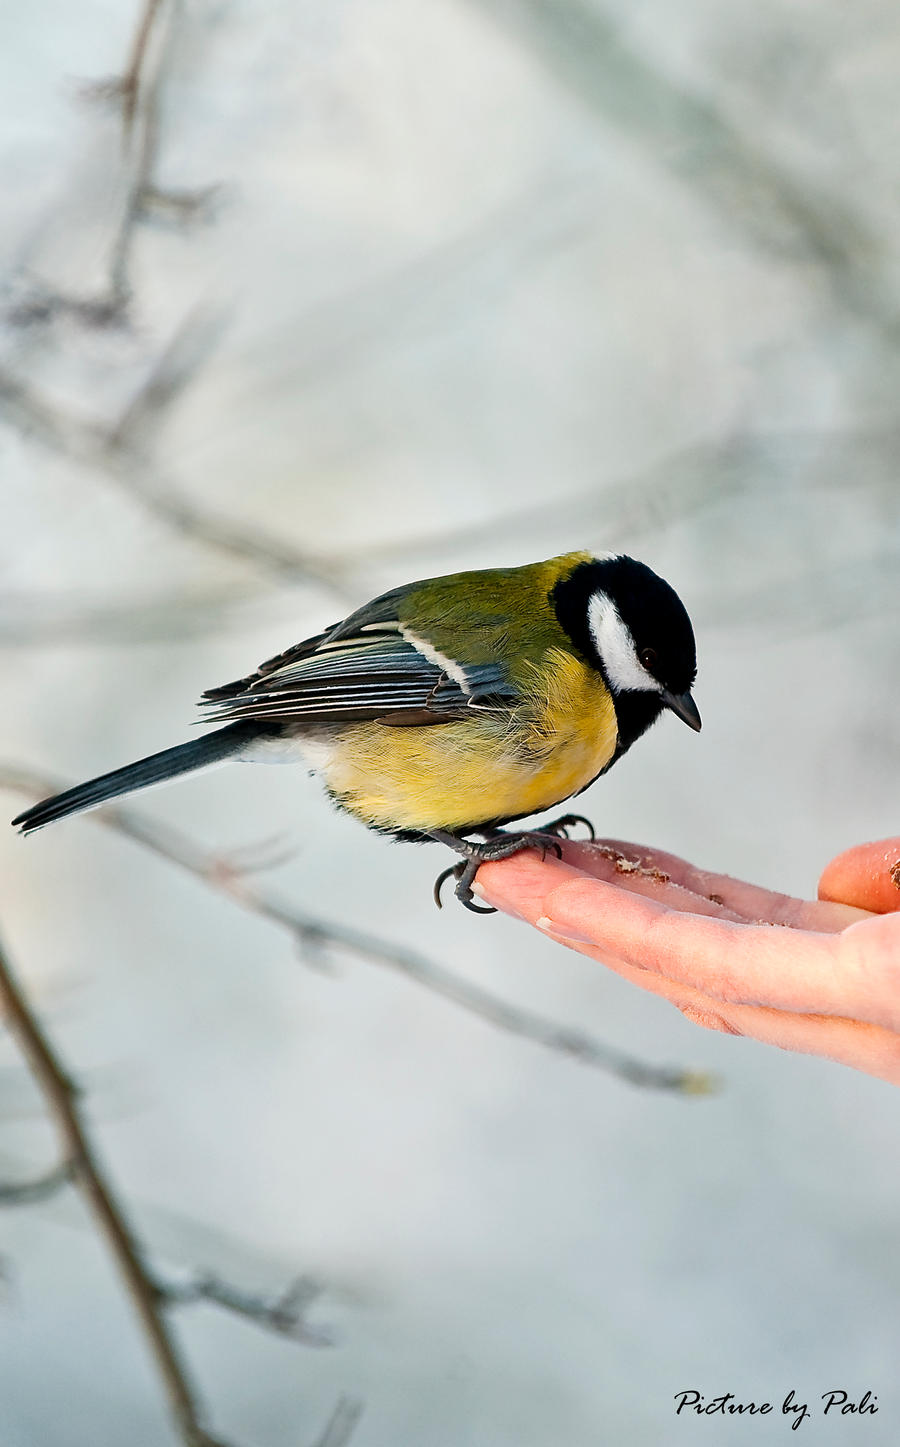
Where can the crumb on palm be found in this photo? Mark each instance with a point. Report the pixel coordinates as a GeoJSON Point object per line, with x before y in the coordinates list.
{"type": "Point", "coordinates": [623, 865]}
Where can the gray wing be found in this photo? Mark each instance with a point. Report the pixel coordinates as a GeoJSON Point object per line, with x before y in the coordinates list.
{"type": "Point", "coordinates": [364, 668]}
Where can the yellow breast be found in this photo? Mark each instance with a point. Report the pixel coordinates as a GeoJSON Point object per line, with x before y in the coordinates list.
{"type": "Point", "coordinates": [484, 767]}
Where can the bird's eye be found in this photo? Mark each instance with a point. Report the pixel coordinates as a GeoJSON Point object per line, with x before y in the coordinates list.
{"type": "Point", "coordinates": [649, 658]}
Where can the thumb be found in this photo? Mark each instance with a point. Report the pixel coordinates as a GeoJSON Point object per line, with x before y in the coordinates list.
{"type": "Point", "coordinates": [868, 876]}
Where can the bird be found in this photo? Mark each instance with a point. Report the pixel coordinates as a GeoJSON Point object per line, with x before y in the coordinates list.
{"type": "Point", "coordinates": [453, 706]}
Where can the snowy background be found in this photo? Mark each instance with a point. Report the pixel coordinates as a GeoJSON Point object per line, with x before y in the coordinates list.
{"type": "Point", "coordinates": [429, 286]}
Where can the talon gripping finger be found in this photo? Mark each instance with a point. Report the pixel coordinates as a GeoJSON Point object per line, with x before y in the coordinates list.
{"type": "Point", "coordinates": [455, 869]}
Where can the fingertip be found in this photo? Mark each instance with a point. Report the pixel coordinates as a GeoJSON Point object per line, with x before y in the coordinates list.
{"type": "Point", "coordinates": [518, 885]}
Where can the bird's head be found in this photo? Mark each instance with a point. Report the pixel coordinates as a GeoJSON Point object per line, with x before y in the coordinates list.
{"type": "Point", "coordinates": [634, 629]}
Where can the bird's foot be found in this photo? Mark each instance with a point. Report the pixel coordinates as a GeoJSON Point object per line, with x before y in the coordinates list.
{"type": "Point", "coordinates": [497, 845]}
{"type": "Point", "coordinates": [559, 828]}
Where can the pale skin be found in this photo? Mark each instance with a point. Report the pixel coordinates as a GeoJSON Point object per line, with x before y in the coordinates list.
{"type": "Point", "coordinates": [817, 976]}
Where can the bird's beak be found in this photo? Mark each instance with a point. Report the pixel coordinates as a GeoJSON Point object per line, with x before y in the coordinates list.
{"type": "Point", "coordinates": [684, 706]}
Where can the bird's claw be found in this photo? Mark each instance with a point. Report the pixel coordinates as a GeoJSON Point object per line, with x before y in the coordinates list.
{"type": "Point", "coordinates": [560, 827]}
{"type": "Point", "coordinates": [464, 873]}
{"type": "Point", "coordinates": [496, 846]}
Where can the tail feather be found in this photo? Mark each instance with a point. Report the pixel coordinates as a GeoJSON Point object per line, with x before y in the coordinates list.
{"type": "Point", "coordinates": [183, 759]}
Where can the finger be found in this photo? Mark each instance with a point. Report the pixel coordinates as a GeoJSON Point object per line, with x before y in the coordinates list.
{"type": "Point", "coordinates": [520, 884]}
{"type": "Point", "coordinates": [621, 863]}
{"type": "Point", "coordinates": [867, 876]}
{"type": "Point", "coordinates": [739, 963]}
{"type": "Point", "coordinates": [873, 1049]}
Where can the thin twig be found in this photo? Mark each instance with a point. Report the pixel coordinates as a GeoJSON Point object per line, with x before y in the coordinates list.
{"type": "Point", "coordinates": [140, 88]}
{"type": "Point", "coordinates": [139, 92]}
{"type": "Point", "coordinates": [284, 1314]}
{"type": "Point", "coordinates": [341, 1423]}
{"type": "Point", "coordinates": [312, 931]}
{"type": "Point", "coordinates": [61, 1097]}
{"type": "Point", "coordinates": [130, 81]}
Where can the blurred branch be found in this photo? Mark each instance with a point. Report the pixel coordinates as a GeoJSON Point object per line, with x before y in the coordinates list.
{"type": "Point", "coordinates": [341, 1423]}
{"type": "Point", "coordinates": [178, 364]}
{"type": "Point", "coordinates": [314, 933]}
{"type": "Point", "coordinates": [688, 134]}
{"type": "Point", "coordinates": [670, 490]}
{"type": "Point", "coordinates": [28, 1193]}
{"type": "Point", "coordinates": [138, 90]}
{"type": "Point", "coordinates": [284, 1314]}
{"type": "Point", "coordinates": [129, 84]}
{"type": "Point", "coordinates": [429, 289]}
{"type": "Point", "coordinates": [150, 1295]}
{"type": "Point", "coordinates": [122, 455]}
{"type": "Point", "coordinates": [81, 1162]}
{"type": "Point", "coordinates": [682, 483]}
{"type": "Point", "coordinates": [114, 450]}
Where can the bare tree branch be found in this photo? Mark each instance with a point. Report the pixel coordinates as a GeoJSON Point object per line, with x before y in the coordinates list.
{"type": "Point", "coordinates": [284, 1313]}
{"type": "Point", "coordinates": [138, 90]}
{"type": "Point", "coordinates": [150, 1295]}
{"type": "Point", "coordinates": [61, 1097]}
{"type": "Point", "coordinates": [130, 81]}
{"type": "Point", "coordinates": [141, 89]}
{"type": "Point", "coordinates": [314, 933]}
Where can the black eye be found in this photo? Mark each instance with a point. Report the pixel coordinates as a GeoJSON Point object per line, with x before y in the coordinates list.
{"type": "Point", "coordinates": [649, 657]}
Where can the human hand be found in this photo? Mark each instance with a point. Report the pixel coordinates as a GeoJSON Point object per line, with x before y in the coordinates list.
{"type": "Point", "coordinates": [818, 976]}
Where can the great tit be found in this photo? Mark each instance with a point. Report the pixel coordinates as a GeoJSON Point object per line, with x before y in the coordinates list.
{"type": "Point", "coordinates": [452, 706]}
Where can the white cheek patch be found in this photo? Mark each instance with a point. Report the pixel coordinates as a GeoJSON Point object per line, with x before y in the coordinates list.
{"type": "Point", "coordinates": [615, 646]}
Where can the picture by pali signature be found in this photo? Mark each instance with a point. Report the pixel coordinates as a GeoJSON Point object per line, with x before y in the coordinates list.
{"type": "Point", "coordinates": [839, 1403]}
